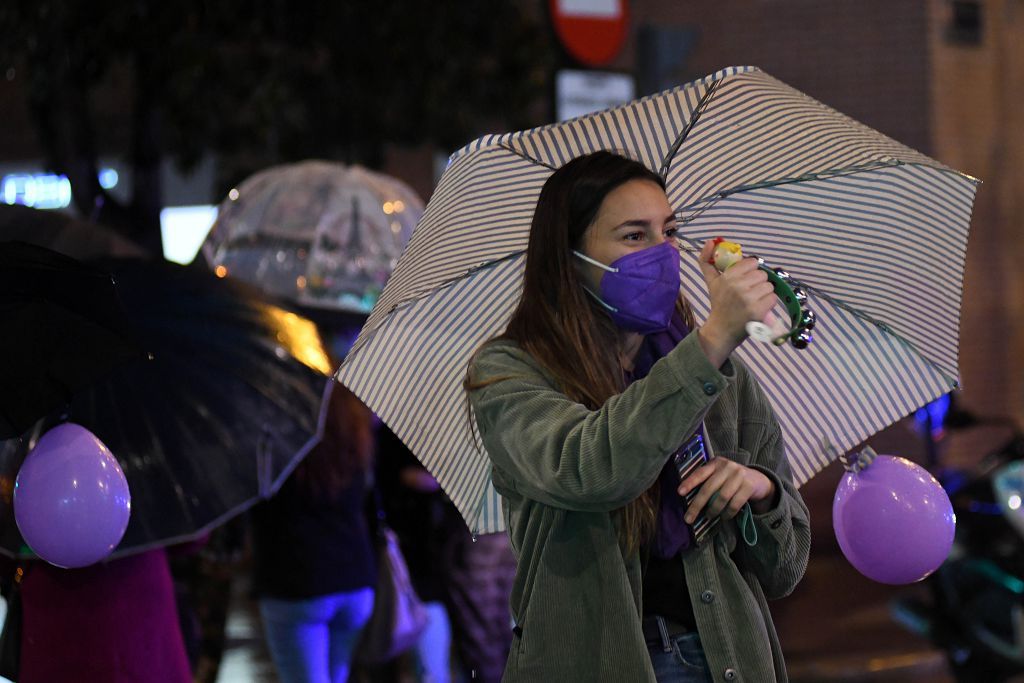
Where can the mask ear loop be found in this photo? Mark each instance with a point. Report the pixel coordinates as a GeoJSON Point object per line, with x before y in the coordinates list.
{"type": "Point", "coordinates": [604, 304]}
{"type": "Point", "coordinates": [591, 261]}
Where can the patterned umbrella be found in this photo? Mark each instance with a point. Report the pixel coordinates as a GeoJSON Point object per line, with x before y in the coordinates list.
{"type": "Point", "coordinates": [875, 233]}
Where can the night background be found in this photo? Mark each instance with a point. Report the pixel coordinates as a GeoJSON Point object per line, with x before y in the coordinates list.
{"type": "Point", "coordinates": [114, 112]}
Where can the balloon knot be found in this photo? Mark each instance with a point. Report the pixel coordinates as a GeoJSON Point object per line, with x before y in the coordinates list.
{"type": "Point", "coordinates": [858, 461]}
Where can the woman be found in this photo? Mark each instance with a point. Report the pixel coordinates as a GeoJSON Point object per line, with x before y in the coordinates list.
{"type": "Point", "coordinates": [424, 520]}
{"type": "Point", "coordinates": [312, 555]}
{"type": "Point", "coordinates": [596, 382]}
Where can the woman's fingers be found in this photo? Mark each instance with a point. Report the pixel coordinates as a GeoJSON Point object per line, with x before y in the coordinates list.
{"type": "Point", "coordinates": [704, 261]}
{"type": "Point", "coordinates": [738, 500]}
{"type": "Point", "coordinates": [719, 503]}
{"type": "Point", "coordinates": [696, 478]}
{"type": "Point", "coordinates": [718, 474]}
{"type": "Point", "coordinates": [723, 490]}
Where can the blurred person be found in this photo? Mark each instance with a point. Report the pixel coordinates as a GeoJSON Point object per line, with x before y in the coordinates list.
{"type": "Point", "coordinates": [464, 581]}
{"type": "Point", "coordinates": [478, 585]}
{"type": "Point", "coordinates": [313, 559]}
{"type": "Point", "coordinates": [203, 586]}
{"type": "Point", "coordinates": [111, 622]}
{"type": "Point", "coordinates": [425, 521]}
{"type": "Point", "coordinates": [600, 378]}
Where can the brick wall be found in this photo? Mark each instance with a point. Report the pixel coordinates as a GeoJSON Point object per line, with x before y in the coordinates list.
{"type": "Point", "coordinates": [977, 93]}
{"type": "Point", "coordinates": [866, 58]}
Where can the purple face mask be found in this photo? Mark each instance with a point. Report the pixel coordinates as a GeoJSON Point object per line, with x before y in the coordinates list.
{"type": "Point", "coordinates": [640, 289]}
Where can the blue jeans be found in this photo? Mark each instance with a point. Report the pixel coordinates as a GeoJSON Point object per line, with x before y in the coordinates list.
{"type": "Point", "coordinates": [434, 646]}
{"type": "Point", "coordinates": [311, 641]}
{"type": "Point", "coordinates": [683, 662]}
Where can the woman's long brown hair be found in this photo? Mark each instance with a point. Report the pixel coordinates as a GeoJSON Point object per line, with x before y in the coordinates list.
{"type": "Point", "coordinates": [559, 324]}
{"type": "Point", "coordinates": [345, 450]}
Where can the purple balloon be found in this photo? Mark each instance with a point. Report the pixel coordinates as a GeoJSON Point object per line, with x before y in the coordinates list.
{"type": "Point", "coordinates": [71, 500]}
{"type": "Point", "coordinates": [893, 520]}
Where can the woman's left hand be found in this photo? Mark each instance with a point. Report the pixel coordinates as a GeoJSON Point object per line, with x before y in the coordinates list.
{"type": "Point", "coordinates": [725, 487]}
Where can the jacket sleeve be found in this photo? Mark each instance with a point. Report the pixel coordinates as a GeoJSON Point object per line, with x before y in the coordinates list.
{"type": "Point", "coordinates": [553, 450]}
{"type": "Point", "coordinates": [780, 556]}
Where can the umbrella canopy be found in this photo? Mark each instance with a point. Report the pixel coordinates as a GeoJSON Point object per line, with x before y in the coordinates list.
{"type": "Point", "coordinates": [873, 231]}
{"type": "Point", "coordinates": [65, 234]}
{"type": "Point", "coordinates": [320, 234]}
{"type": "Point", "coordinates": [225, 405]}
{"type": "Point", "coordinates": [64, 329]}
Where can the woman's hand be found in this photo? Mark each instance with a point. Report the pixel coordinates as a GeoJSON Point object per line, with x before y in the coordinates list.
{"type": "Point", "coordinates": [725, 487]}
{"type": "Point", "coordinates": [741, 294]}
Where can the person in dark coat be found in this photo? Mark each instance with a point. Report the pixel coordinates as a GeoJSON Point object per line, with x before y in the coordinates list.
{"type": "Point", "coordinates": [313, 563]}
{"type": "Point", "coordinates": [112, 622]}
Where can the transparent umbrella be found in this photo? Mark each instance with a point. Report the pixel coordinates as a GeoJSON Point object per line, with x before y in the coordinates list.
{"type": "Point", "coordinates": [320, 234]}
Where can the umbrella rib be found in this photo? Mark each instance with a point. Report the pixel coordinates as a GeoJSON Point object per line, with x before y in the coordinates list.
{"type": "Point", "coordinates": [663, 171]}
{"type": "Point", "coordinates": [709, 202]}
{"type": "Point", "coordinates": [698, 110]}
{"type": "Point", "coordinates": [519, 153]}
{"type": "Point", "coordinates": [883, 326]}
{"type": "Point", "coordinates": [455, 279]}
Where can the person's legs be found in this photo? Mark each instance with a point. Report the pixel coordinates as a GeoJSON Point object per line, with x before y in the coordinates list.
{"type": "Point", "coordinates": [478, 582]}
{"type": "Point", "coordinates": [434, 646]}
{"type": "Point", "coordinates": [351, 611]}
{"type": "Point", "coordinates": [679, 659]}
{"type": "Point", "coordinates": [297, 637]}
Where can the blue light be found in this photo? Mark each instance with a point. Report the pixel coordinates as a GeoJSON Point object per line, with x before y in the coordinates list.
{"type": "Point", "coordinates": [985, 508]}
{"type": "Point", "coordinates": [108, 178]}
{"type": "Point", "coordinates": [45, 190]}
{"type": "Point", "coordinates": [937, 411]}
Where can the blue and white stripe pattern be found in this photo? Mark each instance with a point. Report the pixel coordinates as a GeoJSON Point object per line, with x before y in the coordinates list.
{"type": "Point", "coordinates": [874, 231]}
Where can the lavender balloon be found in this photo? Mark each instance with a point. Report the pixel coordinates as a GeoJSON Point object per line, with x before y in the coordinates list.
{"type": "Point", "coordinates": [893, 520]}
{"type": "Point", "coordinates": [71, 500]}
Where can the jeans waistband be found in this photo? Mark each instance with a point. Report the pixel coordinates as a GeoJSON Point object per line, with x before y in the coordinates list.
{"type": "Point", "coordinates": [660, 630]}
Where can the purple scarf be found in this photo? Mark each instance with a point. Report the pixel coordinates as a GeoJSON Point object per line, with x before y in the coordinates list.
{"type": "Point", "coordinates": [672, 533]}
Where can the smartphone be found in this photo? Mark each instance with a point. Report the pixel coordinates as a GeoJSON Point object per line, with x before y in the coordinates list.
{"type": "Point", "coordinates": [687, 459]}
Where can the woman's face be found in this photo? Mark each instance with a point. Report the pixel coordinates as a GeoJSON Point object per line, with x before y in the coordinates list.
{"type": "Point", "coordinates": [634, 216]}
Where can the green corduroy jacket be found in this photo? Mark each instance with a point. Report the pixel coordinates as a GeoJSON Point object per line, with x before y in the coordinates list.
{"type": "Point", "coordinates": [562, 470]}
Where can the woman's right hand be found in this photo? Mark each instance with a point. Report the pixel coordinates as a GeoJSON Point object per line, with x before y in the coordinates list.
{"type": "Point", "coordinates": [741, 294]}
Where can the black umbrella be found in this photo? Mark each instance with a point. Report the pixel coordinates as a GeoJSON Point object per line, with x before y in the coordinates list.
{"type": "Point", "coordinates": [63, 328]}
{"type": "Point", "coordinates": [226, 404]}
{"type": "Point", "coordinates": [64, 233]}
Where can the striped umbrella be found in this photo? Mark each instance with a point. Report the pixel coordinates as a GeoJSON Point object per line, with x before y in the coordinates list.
{"type": "Point", "coordinates": [874, 232]}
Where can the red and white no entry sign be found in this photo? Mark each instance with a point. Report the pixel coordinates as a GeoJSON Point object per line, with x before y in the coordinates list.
{"type": "Point", "coordinates": [592, 31]}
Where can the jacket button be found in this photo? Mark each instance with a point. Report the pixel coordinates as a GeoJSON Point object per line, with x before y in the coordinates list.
{"type": "Point", "coordinates": [729, 675]}
{"type": "Point", "coordinates": [710, 388]}
{"type": "Point", "coordinates": [707, 597]}
{"type": "Point", "coordinates": [776, 524]}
